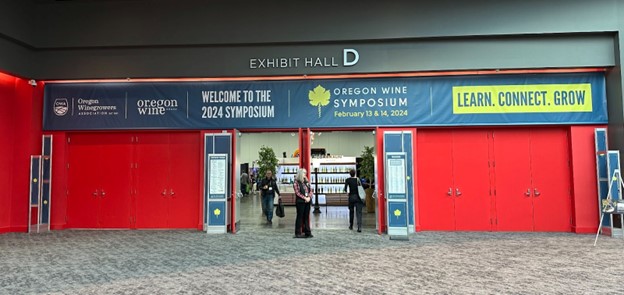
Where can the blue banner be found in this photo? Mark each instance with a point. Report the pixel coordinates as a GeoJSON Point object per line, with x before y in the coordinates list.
{"type": "Point", "coordinates": [418, 101]}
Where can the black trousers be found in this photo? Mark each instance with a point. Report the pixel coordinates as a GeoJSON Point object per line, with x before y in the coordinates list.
{"type": "Point", "coordinates": [302, 223]}
{"type": "Point", "coordinates": [355, 202]}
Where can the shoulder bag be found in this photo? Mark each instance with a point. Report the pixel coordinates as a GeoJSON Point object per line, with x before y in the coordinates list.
{"type": "Point", "coordinates": [361, 191]}
{"type": "Point", "coordinates": [280, 209]}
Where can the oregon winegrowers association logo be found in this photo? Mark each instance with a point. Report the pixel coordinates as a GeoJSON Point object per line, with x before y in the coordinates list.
{"type": "Point", "coordinates": [318, 97]}
{"type": "Point", "coordinates": [61, 106]}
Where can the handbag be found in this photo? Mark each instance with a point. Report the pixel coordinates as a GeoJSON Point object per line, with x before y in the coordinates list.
{"type": "Point", "coordinates": [280, 209]}
{"type": "Point", "coordinates": [361, 191]}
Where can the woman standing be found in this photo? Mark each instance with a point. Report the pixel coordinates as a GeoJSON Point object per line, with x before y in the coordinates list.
{"type": "Point", "coordinates": [354, 200]}
{"type": "Point", "coordinates": [302, 201]}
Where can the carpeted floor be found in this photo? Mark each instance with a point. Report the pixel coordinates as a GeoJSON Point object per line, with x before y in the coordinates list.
{"type": "Point", "coordinates": [265, 259]}
{"type": "Point", "coordinates": [261, 260]}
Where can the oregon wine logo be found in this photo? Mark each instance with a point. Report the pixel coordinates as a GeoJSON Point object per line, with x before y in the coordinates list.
{"type": "Point", "coordinates": [318, 97]}
{"type": "Point", "coordinates": [61, 106]}
{"type": "Point", "coordinates": [156, 106]}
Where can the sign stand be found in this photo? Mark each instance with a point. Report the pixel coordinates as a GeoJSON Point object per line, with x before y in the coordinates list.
{"type": "Point", "coordinates": [217, 193]}
{"type": "Point", "coordinates": [609, 206]}
{"type": "Point", "coordinates": [34, 205]}
{"type": "Point", "coordinates": [396, 202]}
{"type": "Point", "coordinates": [40, 188]}
{"type": "Point", "coordinates": [46, 183]}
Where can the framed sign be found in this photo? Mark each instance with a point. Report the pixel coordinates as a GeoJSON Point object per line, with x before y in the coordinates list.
{"type": "Point", "coordinates": [396, 175]}
{"type": "Point", "coordinates": [217, 176]}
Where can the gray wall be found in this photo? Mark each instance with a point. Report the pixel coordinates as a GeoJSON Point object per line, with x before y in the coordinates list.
{"type": "Point", "coordinates": [195, 38]}
{"type": "Point", "coordinates": [404, 56]}
{"type": "Point", "coordinates": [192, 22]}
{"type": "Point", "coordinates": [16, 35]}
{"type": "Point", "coordinates": [615, 102]}
{"type": "Point", "coordinates": [47, 39]}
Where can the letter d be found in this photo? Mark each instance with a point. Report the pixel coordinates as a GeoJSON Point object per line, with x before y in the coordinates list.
{"type": "Point", "coordinates": [345, 57]}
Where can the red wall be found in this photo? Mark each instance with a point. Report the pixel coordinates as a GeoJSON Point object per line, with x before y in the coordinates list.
{"type": "Point", "coordinates": [20, 137]}
{"type": "Point", "coordinates": [584, 183]}
{"type": "Point", "coordinates": [59, 181]}
{"type": "Point", "coordinates": [7, 98]}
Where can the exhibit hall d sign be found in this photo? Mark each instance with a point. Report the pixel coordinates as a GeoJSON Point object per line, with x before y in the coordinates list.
{"type": "Point", "coordinates": [545, 99]}
{"type": "Point", "coordinates": [350, 57]}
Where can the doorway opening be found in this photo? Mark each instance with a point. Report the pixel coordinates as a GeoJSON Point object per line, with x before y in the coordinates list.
{"type": "Point", "coordinates": [331, 155]}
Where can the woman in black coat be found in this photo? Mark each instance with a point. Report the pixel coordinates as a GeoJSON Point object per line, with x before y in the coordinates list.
{"type": "Point", "coordinates": [303, 196]}
{"type": "Point", "coordinates": [354, 200]}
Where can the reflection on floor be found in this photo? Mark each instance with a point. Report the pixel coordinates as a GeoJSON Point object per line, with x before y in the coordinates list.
{"type": "Point", "coordinates": [331, 217]}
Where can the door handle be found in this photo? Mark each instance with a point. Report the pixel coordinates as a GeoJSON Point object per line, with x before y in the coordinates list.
{"type": "Point", "coordinates": [164, 192]}
{"type": "Point", "coordinates": [450, 192]}
{"type": "Point", "coordinates": [528, 192]}
{"type": "Point", "coordinates": [536, 193]}
{"type": "Point", "coordinates": [457, 192]}
{"type": "Point", "coordinates": [171, 192]}
{"type": "Point", "coordinates": [95, 193]}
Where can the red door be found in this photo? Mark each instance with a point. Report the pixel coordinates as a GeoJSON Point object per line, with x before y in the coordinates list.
{"type": "Point", "coordinates": [532, 180]}
{"type": "Point", "coordinates": [512, 166]}
{"type": "Point", "coordinates": [83, 185]}
{"type": "Point", "coordinates": [167, 180]}
{"type": "Point", "coordinates": [184, 178]}
{"type": "Point", "coordinates": [152, 170]}
{"type": "Point", "coordinates": [551, 180]}
{"type": "Point", "coordinates": [115, 180]}
{"type": "Point", "coordinates": [471, 177]}
{"type": "Point", "coordinates": [99, 180]}
{"type": "Point", "coordinates": [435, 180]}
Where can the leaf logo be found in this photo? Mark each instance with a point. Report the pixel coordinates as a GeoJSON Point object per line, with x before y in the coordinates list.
{"type": "Point", "coordinates": [319, 97]}
{"type": "Point", "coordinates": [397, 213]}
{"type": "Point", "coordinates": [217, 212]}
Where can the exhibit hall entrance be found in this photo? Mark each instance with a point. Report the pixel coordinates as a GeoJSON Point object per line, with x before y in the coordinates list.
{"type": "Point", "coordinates": [452, 153]}
{"type": "Point", "coordinates": [283, 147]}
{"type": "Point", "coordinates": [334, 153]}
{"type": "Point", "coordinates": [328, 158]}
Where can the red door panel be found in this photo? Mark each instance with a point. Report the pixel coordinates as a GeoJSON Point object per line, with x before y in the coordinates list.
{"type": "Point", "coordinates": [435, 179]}
{"type": "Point", "coordinates": [514, 208]}
{"type": "Point", "coordinates": [152, 188]}
{"type": "Point", "coordinates": [472, 180]}
{"type": "Point", "coordinates": [551, 180]}
{"type": "Point", "coordinates": [184, 180]}
{"type": "Point", "coordinates": [116, 179]}
{"type": "Point", "coordinates": [83, 181]}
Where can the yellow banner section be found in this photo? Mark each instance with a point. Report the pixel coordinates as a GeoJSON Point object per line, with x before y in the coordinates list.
{"type": "Point", "coordinates": [540, 98]}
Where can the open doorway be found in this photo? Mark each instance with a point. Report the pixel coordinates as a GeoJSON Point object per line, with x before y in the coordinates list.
{"type": "Point", "coordinates": [285, 147]}
{"type": "Point", "coordinates": [335, 152]}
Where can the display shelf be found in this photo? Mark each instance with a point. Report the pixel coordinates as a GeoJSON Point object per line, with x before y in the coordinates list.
{"type": "Point", "coordinates": [332, 174]}
{"type": "Point", "coordinates": [286, 170]}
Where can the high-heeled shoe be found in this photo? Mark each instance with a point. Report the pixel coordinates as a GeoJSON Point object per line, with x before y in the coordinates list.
{"type": "Point", "coordinates": [351, 227]}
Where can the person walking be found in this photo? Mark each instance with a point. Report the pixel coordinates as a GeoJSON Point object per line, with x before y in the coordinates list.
{"type": "Point", "coordinates": [354, 200]}
{"type": "Point", "coordinates": [268, 188]}
{"type": "Point", "coordinates": [303, 194]}
{"type": "Point", "coordinates": [245, 182]}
